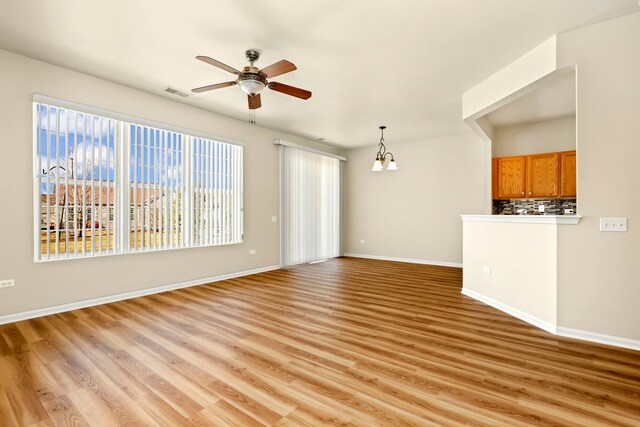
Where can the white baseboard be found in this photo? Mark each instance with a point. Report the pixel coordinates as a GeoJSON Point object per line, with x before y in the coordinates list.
{"type": "Point", "coordinates": [16, 317]}
{"type": "Point", "coordinates": [599, 338]}
{"type": "Point", "coordinates": [510, 310]}
{"type": "Point", "coordinates": [556, 330]}
{"type": "Point", "coordinates": [410, 260]}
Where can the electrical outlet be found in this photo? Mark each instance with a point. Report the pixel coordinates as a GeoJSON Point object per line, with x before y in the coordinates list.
{"type": "Point", "coordinates": [252, 252]}
{"type": "Point", "coordinates": [361, 241]}
{"type": "Point", "coordinates": [486, 269]}
{"type": "Point", "coordinates": [540, 208]}
{"type": "Point", "coordinates": [613, 224]}
{"type": "Point", "coordinates": [274, 219]}
{"type": "Point", "coordinates": [7, 283]}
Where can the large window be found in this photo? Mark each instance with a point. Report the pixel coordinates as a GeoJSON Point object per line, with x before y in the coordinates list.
{"type": "Point", "coordinates": [109, 184]}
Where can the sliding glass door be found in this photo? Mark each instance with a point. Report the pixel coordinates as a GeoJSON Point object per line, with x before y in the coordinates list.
{"type": "Point", "coordinates": [311, 206]}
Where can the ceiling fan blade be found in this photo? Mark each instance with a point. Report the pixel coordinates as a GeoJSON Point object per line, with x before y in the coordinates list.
{"type": "Point", "coordinates": [290, 90]}
{"type": "Point", "coordinates": [218, 64]}
{"type": "Point", "coordinates": [254, 101]}
{"type": "Point", "coordinates": [212, 87]}
{"type": "Point", "coordinates": [280, 67]}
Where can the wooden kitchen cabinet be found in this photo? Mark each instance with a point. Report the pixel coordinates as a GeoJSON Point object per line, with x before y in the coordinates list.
{"type": "Point", "coordinates": [494, 178]}
{"type": "Point", "coordinates": [543, 175]}
{"type": "Point", "coordinates": [511, 177]}
{"type": "Point", "coordinates": [568, 182]}
{"type": "Point", "coordinates": [547, 175]}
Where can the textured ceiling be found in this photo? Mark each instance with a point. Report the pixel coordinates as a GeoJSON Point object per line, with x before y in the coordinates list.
{"type": "Point", "coordinates": [402, 64]}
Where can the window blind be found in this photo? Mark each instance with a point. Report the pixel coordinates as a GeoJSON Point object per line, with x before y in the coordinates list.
{"type": "Point", "coordinates": [311, 206]}
{"type": "Point", "coordinates": [105, 185]}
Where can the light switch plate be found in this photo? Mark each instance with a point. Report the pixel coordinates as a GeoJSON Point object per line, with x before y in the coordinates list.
{"type": "Point", "coordinates": [486, 269]}
{"type": "Point", "coordinates": [613, 224]}
{"type": "Point", "coordinates": [274, 219]}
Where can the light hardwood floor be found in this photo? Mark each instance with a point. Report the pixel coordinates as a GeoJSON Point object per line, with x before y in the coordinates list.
{"type": "Point", "coordinates": [344, 342]}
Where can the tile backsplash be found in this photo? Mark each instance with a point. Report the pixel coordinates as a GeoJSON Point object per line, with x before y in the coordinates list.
{"type": "Point", "coordinates": [551, 206]}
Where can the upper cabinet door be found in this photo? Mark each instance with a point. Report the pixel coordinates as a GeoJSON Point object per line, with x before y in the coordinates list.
{"type": "Point", "coordinates": [543, 173]}
{"type": "Point", "coordinates": [568, 184]}
{"type": "Point", "coordinates": [511, 177]}
{"type": "Point", "coordinates": [494, 178]}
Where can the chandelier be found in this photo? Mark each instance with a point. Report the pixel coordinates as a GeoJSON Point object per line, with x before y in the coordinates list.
{"type": "Point", "coordinates": [382, 154]}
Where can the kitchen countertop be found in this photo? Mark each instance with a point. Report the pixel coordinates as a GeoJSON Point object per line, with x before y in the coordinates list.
{"type": "Point", "coordinates": [525, 219]}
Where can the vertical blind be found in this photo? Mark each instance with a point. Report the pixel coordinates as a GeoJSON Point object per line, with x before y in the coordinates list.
{"type": "Point", "coordinates": [311, 211]}
{"type": "Point", "coordinates": [108, 186]}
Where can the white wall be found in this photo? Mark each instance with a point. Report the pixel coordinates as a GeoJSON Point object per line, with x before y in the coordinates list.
{"type": "Point", "coordinates": [523, 262]}
{"type": "Point", "coordinates": [598, 281]}
{"type": "Point", "coordinates": [536, 137]}
{"type": "Point", "coordinates": [414, 212]}
{"type": "Point", "coordinates": [499, 87]}
{"type": "Point", "coordinates": [47, 284]}
{"type": "Point", "coordinates": [599, 273]}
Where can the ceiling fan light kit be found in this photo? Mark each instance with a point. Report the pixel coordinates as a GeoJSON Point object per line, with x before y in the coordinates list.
{"type": "Point", "coordinates": [381, 156]}
{"type": "Point", "coordinates": [252, 86]}
{"type": "Point", "coordinates": [252, 80]}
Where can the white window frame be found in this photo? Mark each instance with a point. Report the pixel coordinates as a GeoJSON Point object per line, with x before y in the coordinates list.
{"type": "Point", "coordinates": [192, 237]}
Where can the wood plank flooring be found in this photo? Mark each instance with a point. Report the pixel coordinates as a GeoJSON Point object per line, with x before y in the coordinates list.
{"type": "Point", "coordinates": [344, 342]}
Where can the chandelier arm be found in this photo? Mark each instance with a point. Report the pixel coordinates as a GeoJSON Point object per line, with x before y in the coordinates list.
{"type": "Point", "coordinates": [383, 148]}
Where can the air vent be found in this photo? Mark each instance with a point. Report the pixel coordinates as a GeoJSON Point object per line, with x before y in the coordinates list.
{"type": "Point", "coordinates": [173, 91]}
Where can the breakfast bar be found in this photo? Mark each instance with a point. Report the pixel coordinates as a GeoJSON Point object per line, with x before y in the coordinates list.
{"type": "Point", "coordinates": [511, 261]}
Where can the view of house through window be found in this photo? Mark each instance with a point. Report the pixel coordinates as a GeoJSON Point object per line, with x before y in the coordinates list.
{"type": "Point", "coordinates": [108, 186]}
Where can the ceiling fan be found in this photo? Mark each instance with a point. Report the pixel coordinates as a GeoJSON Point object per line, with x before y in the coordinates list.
{"type": "Point", "coordinates": [252, 80]}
